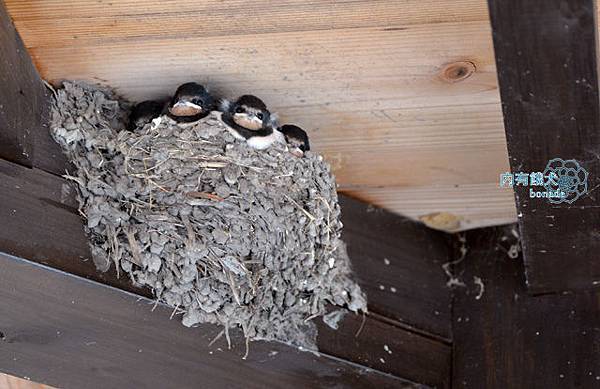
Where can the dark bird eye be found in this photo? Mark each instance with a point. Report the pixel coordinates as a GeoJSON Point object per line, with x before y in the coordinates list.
{"type": "Point", "coordinates": [239, 110]}
{"type": "Point", "coordinates": [196, 101]}
{"type": "Point", "coordinates": [260, 116]}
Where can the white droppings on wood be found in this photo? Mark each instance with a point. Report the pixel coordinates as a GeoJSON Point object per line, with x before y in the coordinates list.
{"type": "Point", "coordinates": [481, 286]}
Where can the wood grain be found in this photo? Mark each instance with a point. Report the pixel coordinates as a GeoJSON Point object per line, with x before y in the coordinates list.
{"type": "Point", "coordinates": [506, 338]}
{"type": "Point", "coordinates": [368, 80]}
{"type": "Point", "coordinates": [15, 142]}
{"type": "Point", "coordinates": [24, 136]}
{"type": "Point", "coordinates": [399, 265]}
{"type": "Point", "coordinates": [546, 55]}
{"type": "Point", "coordinates": [11, 382]}
{"type": "Point", "coordinates": [390, 349]}
{"type": "Point", "coordinates": [72, 333]}
{"type": "Point", "coordinates": [129, 20]}
{"type": "Point", "coordinates": [39, 219]}
{"type": "Point", "coordinates": [474, 204]}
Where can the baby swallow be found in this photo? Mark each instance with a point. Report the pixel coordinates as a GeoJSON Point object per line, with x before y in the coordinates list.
{"type": "Point", "coordinates": [296, 138]}
{"type": "Point", "coordinates": [249, 119]}
{"type": "Point", "coordinates": [190, 103]}
{"type": "Point", "coordinates": [144, 112]}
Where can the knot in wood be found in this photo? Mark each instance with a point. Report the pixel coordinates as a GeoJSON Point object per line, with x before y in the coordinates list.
{"type": "Point", "coordinates": [457, 71]}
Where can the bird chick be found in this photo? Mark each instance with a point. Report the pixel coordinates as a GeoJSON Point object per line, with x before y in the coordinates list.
{"type": "Point", "coordinates": [296, 138]}
{"type": "Point", "coordinates": [249, 119]}
{"type": "Point", "coordinates": [190, 103]}
{"type": "Point", "coordinates": [144, 112]}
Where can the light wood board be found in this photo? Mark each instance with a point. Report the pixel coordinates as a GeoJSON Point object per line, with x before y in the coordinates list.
{"type": "Point", "coordinates": [365, 78]}
{"type": "Point", "coordinates": [10, 382]}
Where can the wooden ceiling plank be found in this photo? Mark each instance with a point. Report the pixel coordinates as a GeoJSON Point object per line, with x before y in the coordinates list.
{"type": "Point", "coordinates": [476, 205]}
{"type": "Point", "coordinates": [84, 20]}
{"type": "Point", "coordinates": [372, 82]}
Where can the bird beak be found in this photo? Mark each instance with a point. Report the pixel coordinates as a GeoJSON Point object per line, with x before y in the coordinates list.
{"type": "Point", "coordinates": [251, 122]}
{"type": "Point", "coordinates": [297, 152]}
{"type": "Point", "coordinates": [185, 108]}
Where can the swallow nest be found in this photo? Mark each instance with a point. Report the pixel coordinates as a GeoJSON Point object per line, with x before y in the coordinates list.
{"type": "Point", "coordinates": [221, 232]}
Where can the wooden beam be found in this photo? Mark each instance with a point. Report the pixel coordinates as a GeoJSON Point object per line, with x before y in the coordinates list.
{"type": "Point", "coordinates": [39, 222]}
{"type": "Point", "coordinates": [547, 70]}
{"type": "Point", "coordinates": [126, 20]}
{"type": "Point", "coordinates": [15, 72]}
{"type": "Point", "coordinates": [71, 333]}
{"type": "Point", "coordinates": [399, 265]}
{"type": "Point", "coordinates": [506, 338]}
{"type": "Point", "coordinates": [390, 349]}
{"type": "Point", "coordinates": [24, 136]}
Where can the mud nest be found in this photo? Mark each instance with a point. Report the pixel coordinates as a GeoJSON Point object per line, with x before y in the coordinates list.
{"type": "Point", "coordinates": [221, 232]}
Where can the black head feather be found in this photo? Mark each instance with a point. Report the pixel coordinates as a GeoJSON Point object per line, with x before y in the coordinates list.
{"type": "Point", "coordinates": [251, 101]}
{"type": "Point", "coordinates": [144, 112]}
{"type": "Point", "coordinates": [295, 136]}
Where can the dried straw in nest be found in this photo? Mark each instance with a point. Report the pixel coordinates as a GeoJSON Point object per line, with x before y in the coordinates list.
{"type": "Point", "coordinates": [221, 232]}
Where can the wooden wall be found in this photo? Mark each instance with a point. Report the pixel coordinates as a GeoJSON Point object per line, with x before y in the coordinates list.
{"type": "Point", "coordinates": [401, 96]}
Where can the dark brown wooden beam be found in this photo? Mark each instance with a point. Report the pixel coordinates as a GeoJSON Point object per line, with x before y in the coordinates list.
{"type": "Point", "coordinates": [547, 70]}
{"type": "Point", "coordinates": [390, 349]}
{"type": "Point", "coordinates": [506, 338]}
{"type": "Point", "coordinates": [72, 333]}
{"type": "Point", "coordinates": [24, 106]}
{"type": "Point", "coordinates": [399, 265]}
{"type": "Point", "coordinates": [39, 221]}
